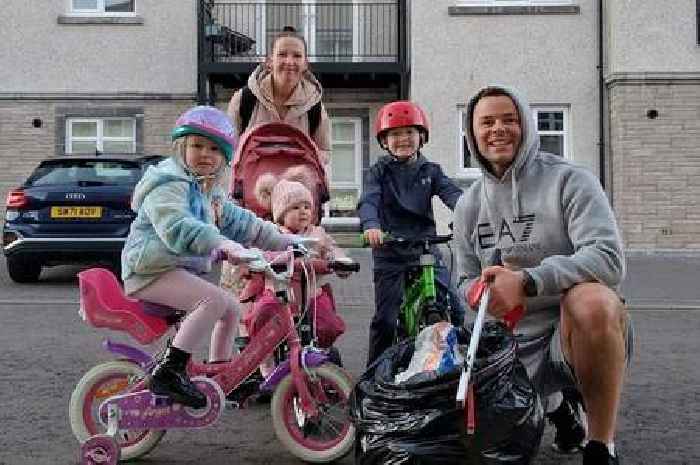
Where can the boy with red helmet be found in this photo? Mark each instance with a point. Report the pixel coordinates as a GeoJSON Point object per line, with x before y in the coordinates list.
{"type": "Point", "coordinates": [397, 198]}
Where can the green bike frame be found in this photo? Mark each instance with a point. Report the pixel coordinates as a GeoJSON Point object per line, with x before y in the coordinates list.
{"type": "Point", "coordinates": [418, 293]}
{"type": "Point", "coordinates": [419, 289]}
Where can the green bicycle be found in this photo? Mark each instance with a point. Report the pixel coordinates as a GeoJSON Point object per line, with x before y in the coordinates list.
{"type": "Point", "coordinates": [420, 307]}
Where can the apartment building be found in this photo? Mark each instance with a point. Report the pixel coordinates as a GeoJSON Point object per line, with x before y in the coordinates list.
{"type": "Point", "coordinates": [112, 75]}
{"type": "Point", "coordinates": [80, 76]}
{"type": "Point", "coordinates": [614, 86]}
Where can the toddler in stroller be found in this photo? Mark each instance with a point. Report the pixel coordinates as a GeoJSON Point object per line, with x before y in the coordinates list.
{"type": "Point", "coordinates": [273, 167]}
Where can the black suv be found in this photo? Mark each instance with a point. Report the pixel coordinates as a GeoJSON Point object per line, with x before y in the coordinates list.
{"type": "Point", "coordinates": [71, 210]}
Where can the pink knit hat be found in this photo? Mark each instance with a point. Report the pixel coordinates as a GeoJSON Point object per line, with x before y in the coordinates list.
{"type": "Point", "coordinates": [287, 194]}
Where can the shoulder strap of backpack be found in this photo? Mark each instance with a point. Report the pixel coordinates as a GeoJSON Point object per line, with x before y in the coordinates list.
{"type": "Point", "coordinates": [248, 101]}
{"type": "Point", "coordinates": [314, 118]}
{"type": "Point", "coordinates": [245, 111]}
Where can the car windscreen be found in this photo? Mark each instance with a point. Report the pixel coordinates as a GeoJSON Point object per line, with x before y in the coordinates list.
{"type": "Point", "coordinates": [86, 173]}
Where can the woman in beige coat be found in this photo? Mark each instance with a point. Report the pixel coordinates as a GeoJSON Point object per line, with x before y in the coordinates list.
{"type": "Point", "coordinates": [285, 91]}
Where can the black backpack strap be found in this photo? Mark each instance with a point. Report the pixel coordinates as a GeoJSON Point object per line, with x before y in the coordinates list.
{"type": "Point", "coordinates": [245, 111]}
{"type": "Point", "coordinates": [314, 114]}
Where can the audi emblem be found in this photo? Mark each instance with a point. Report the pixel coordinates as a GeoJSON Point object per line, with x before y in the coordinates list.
{"type": "Point", "coordinates": [75, 196]}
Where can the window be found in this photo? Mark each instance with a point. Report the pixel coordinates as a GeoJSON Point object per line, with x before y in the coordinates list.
{"type": "Point", "coordinates": [469, 168]}
{"type": "Point", "coordinates": [106, 135]}
{"type": "Point", "coordinates": [104, 7]}
{"type": "Point", "coordinates": [552, 127]}
{"type": "Point", "coordinates": [85, 171]}
{"type": "Point", "coordinates": [697, 19]}
{"type": "Point", "coordinates": [345, 168]}
{"type": "Point", "coordinates": [514, 2]}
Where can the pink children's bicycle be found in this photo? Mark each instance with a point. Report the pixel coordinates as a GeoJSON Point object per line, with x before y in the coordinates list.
{"type": "Point", "coordinates": [115, 417]}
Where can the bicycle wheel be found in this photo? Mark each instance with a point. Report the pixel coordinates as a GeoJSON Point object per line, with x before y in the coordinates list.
{"type": "Point", "coordinates": [322, 439]}
{"type": "Point", "coordinates": [97, 385]}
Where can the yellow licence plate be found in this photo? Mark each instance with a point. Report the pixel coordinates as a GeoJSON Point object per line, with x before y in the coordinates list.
{"type": "Point", "coordinates": [76, 212]}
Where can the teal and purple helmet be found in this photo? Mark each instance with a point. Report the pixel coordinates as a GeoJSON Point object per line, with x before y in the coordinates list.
{"type": "Point", "coordinates": [209, 122]}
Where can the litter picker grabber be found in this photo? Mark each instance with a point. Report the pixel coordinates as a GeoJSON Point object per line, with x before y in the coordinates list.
{"type": "Point", "coordinates": [464, 379]}
{"type": "Point", "coordinates": [481, 294]}
{"type": "Point", "coordinates": [482, 291]}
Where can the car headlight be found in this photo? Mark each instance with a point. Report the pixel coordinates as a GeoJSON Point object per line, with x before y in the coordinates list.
{"type": "Point", "coordinates": [11, 215]}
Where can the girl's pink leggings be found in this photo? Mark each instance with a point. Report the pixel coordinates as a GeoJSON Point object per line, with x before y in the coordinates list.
{"type": "Point", "coordinates": [208, 307]}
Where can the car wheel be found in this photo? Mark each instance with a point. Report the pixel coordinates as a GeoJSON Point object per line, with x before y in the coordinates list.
{"type": "Point", "coordinates": [23, 270]}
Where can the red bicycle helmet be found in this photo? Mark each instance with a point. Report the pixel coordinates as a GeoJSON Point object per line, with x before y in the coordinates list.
{"type": "Point", "coordinates": [399, 114]}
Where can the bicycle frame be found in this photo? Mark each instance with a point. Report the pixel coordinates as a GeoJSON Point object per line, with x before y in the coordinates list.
{"type": "Point", "coordinates": [418, 292]}
{"type": "Point", "coordinates": [280, 328]}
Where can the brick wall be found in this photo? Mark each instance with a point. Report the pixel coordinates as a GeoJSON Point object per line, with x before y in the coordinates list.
{"type": "Point", "coordinates": [22, 145]}
{"type": "Point", "coordinates": [656, 163]}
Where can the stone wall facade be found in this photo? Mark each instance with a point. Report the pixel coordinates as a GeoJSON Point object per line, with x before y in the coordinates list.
{"type": "Point", "coordinates": [23, 145]}
{"type": "Point", "coordinates": [655, 159]}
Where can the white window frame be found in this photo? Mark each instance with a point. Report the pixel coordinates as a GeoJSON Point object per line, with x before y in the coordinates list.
{"type": "Point", "coordinates": [99, 138]}
{"type": "Point", "coordinates": [512, 2]}
{"type": "Point", "coordinates": [99, 10]}
{"type": "Point", "coordinates": [357, 123]}
{"type": "Point", "coordinates": [536, 109]}
{"type": "Point", "coordinates": [464, 172]}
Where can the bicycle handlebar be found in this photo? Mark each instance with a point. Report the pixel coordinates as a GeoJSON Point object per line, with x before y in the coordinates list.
{"type": "Point", "coordinates": [390, 240]}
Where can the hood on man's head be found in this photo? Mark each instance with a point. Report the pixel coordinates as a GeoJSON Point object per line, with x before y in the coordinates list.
{"type": "Point", "coordinates": [530, 140]}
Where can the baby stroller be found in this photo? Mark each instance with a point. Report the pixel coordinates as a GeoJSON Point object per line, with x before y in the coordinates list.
{"type": "Point", "coordinates": [274, 148]}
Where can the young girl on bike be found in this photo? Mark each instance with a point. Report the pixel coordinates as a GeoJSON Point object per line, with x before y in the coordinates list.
{"type": "Point", "coordinates": [182, 212]}
{"type": "Point", "coordinates": [291, 204]}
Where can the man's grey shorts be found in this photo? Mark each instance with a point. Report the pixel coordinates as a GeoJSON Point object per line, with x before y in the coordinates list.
{"type": "Point", "coordinates": [544, 360]}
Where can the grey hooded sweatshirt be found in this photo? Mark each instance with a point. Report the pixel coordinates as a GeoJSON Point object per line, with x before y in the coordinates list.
{"type": "Point", "coordinates": [547, 215]}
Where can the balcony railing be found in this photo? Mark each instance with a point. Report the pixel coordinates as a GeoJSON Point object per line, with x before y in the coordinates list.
{"type": "Point", "coordinates": [346, 31]}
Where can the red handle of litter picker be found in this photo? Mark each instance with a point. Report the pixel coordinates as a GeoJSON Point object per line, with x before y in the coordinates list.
{"type": "Point", "coordinates": [512, 317]}
{"type": "Point", "coordinates": [475, 292]}
{"type": "Point", "coordinates": [474, 296]}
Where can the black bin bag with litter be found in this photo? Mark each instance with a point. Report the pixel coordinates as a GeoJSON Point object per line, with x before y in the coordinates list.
{"type": "Point", "coordinates": [417, 422]}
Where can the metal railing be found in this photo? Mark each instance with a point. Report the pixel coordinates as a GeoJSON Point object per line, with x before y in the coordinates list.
{"type": "Point", "coordinates": [343, 31]}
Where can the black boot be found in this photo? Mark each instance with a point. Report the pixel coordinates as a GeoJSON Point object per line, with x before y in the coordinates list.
{"type": "Point", "coordinates": [170, 379]}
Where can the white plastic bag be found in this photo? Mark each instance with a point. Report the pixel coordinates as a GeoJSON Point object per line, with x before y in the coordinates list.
{"type": "Point", "coordinates": [435, 350]}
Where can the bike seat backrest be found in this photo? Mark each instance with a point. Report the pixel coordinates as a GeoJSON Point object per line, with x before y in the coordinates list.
{"type": "Point", "coordinates": [104, 305]}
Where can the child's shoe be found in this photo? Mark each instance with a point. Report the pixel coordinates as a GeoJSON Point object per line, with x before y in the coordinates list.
{"type": "Point", "coordinates": [169, 378]}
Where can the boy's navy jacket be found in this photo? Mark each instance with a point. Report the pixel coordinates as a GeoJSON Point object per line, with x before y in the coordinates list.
{"type": "Point", "coordinates": [397, 198]}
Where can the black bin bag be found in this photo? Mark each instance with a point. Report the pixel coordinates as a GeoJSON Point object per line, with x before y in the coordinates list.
{"type": "Point", "coordinates": [417, 422]}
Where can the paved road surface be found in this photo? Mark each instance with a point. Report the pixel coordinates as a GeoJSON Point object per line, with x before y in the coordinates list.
{"type": "Point", "coordinates": [45, 348]}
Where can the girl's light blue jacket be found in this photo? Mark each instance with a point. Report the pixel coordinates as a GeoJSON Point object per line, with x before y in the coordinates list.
{"type": "Point", "coordinates": [175, 219]}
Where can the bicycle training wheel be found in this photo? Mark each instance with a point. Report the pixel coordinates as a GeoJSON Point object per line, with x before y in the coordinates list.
{"type": "Point", "coordinates": [97, 385]}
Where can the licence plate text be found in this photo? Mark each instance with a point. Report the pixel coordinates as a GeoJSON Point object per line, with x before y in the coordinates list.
{"type": "Point", "coordinates": [76, 212]}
